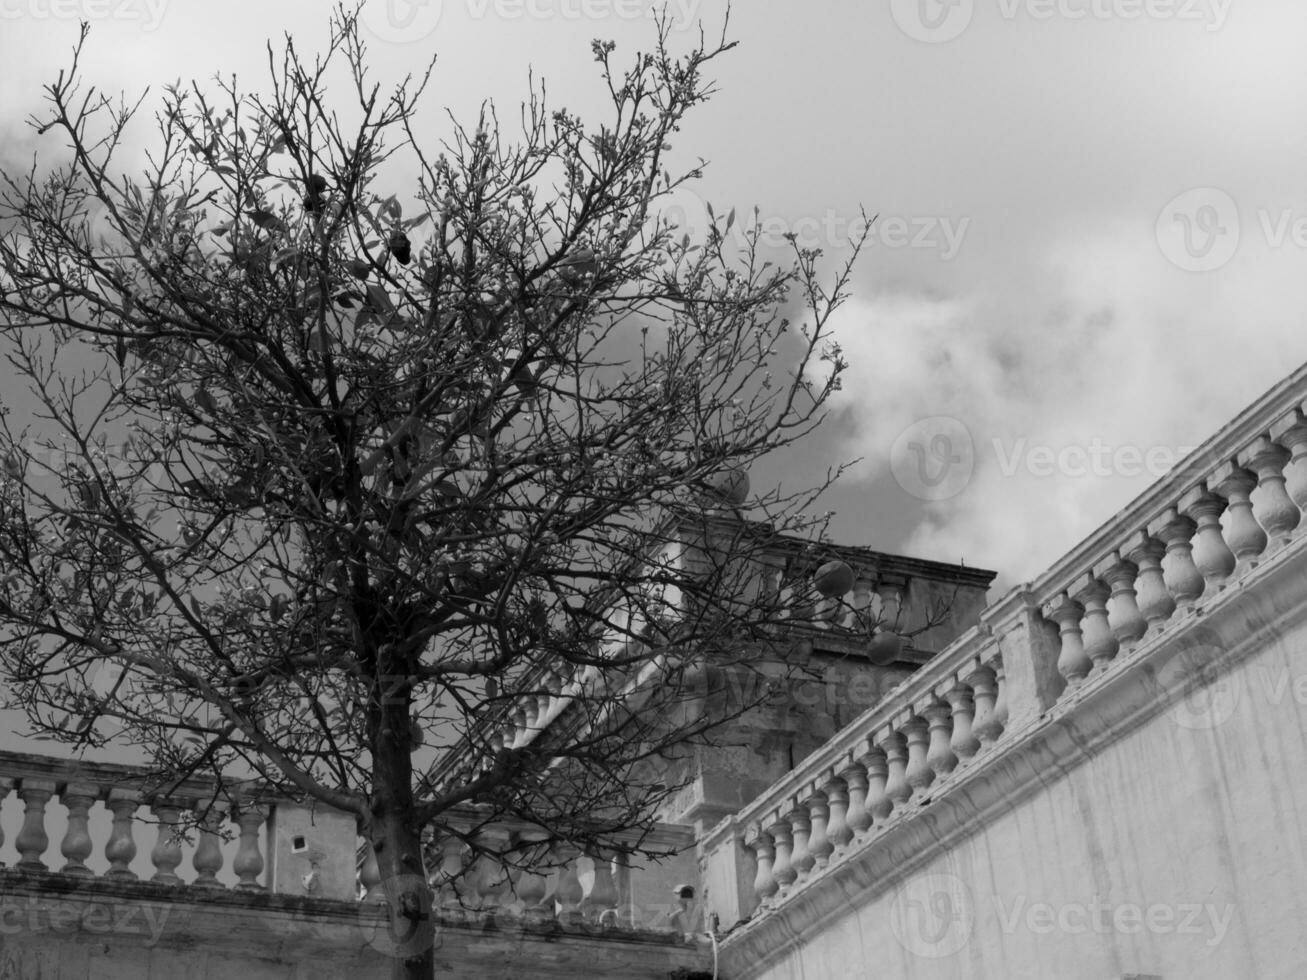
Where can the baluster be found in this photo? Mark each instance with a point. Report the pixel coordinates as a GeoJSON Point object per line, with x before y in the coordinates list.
{"type": "Point", "coordinates": [1073, 663]}
{"type": "Point", "coordinates": [764, 882]}
{"type": "Point", "coordinates": [984, 690]}
{"type": "Point", "coordinates": [626, 911]}
{"type": "Point", "coordinates": [570, 893]}
{"type": "Point", "coordinates": [782, 870]}
{"type": "Point", "coordinates": [519, 729]}
{"type": "Point", "coordinates": [1211, 555]}
{"type": "Point", "coordinates": [860, 615]}
{"type": "Point", "coordinates": [1100, 645]}
{"type": "Point", "coordinates": [370, 876]}
{"type": "Point", "coordinates": [6, 784]}
{"type": "Point", "coordinates": [897, 789]}
{"type": "Point", "coordinates": [603, 891]}
{"type": "Point", "coordinates": [819, 844]}
{"type": "Point", "coordinates": [32, 841]}
{"type": "Point", "coordinates": [918, 774]}
{"type": "Point", "coordinates": [248, 863]}
{"type": "Point", "coordinates": [1127, 622]}
{"type": "Point", "coordinates": [1182, 577]}
{"type": "Point", "coordinates": [207, 859]}
{"type": "Point", "coordinates": [1291, 433]}
{"type": "Point", "coordinates": [858, 817]}
{"type": "Point", "coordinates": [531, 713]}
{"type": "Point", "coordinates": [76, 845]}
{"type": "Point", "coordinates": [838, 831]}
{"type": "Point", "coordinates": [1245, 538]}
{"type": "Point", "coordinates": [488, 878]}
{"type": "Point", "coordinates": [1154, 601]}
{"type": "Point", "coordinates": [999, 718]}
{"type": "Point", "coordinates": [448, 880]}
{"type": "Point", "coordinates": [964, 743]}
{"type": "Point", "coordinates": [1275, 509]}
{"type": "Point", "coordinates": [167, 852]}
{"type": "Point", "coordinates": [121, 848]}
{"type": "Point", "coordinates": [939, 753]}
{"type": "Point", "coordinates": [801, 858]}
{"type": "Point", "coordinates": [890, 590]}
{"type": "Point", "coordinates": [879, 805]}
{"type": "Point", "coordinates": [531, 885]}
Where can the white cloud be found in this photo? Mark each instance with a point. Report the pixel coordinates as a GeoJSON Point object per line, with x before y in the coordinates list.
{"type": "Point", "coordinates": [1114, 350]}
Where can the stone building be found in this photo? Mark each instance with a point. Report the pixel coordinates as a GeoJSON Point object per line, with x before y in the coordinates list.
{"type": "Point", "coordinates": [1091, 776]}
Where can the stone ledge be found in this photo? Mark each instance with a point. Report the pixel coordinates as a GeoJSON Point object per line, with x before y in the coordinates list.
{"type": "Point", "coordinates": [44, 910]}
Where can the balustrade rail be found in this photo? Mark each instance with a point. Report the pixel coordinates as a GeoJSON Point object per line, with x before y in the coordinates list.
{"type": "Point", "coordinates": [1229, 507]}
{"type": "Point", "coordinates": [89, 820]}
{"type": "Point", "coordinates": [111, 816]}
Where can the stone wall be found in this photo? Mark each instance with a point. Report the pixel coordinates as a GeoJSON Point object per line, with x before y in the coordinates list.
{"type": "Point", "coordinates": [1153, 827]}
{"type": "Point", "coordinates": [53, 927]}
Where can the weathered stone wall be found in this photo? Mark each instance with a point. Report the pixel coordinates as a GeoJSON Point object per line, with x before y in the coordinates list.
{"type": "Point", "coordinates": [1161, 832]}
{"type": "Point", "coordinates": [56, 928]}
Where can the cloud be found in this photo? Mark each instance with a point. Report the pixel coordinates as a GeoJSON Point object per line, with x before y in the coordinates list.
{"type": "Point", "coordinates": [1077, 391]}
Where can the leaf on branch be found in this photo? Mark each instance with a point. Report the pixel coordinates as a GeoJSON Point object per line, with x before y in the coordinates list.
{"type": "Point", "coordinates": [266, 219]}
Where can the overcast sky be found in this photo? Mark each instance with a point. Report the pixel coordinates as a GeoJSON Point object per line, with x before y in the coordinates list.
{"type": "Point", "coordinates": [1093, 213]}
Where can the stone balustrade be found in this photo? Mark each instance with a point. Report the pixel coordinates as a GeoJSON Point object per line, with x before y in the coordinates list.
{"type": "Point", "coordinates": [478, 866]}
{"type": "Point", "coordinates": [187, 836]}
{"type": "Point", "coordinates": [1119, 596]}
{"type": "Point", "coordinates": [110, 825]}
{"type": "Point", "coordinates": [939, 723]}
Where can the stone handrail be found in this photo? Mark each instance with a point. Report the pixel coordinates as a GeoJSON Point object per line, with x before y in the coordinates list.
{"type": "Point", "coordinates": [122, 791]}
{"type": "Point", "coordinates": [517, 869]}
{"type": "Point", "coordinates": [124, 806]}
{"type": "Point", "coordinates": [1230, 507]}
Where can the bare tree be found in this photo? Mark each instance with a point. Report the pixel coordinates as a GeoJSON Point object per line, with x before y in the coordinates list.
{"type": "Point", "coordinates": [336, 438]}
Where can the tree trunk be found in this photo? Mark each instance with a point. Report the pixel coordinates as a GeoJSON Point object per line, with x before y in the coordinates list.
{"type": "Point", "coordinates": [398, 845]}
